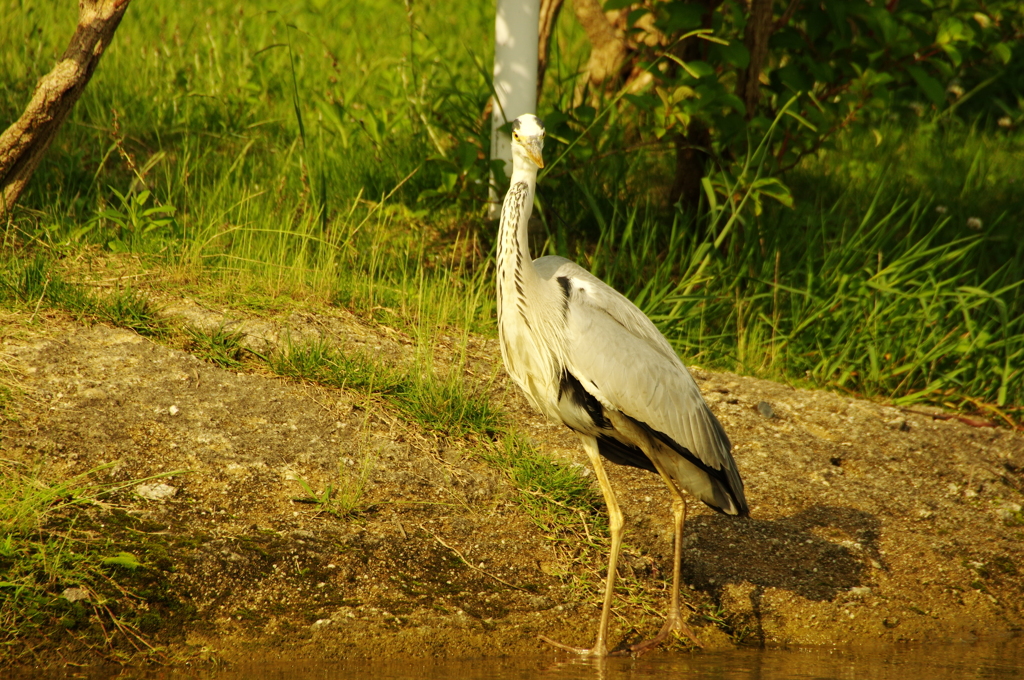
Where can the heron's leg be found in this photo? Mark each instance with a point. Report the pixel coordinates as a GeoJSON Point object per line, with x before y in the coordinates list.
{"type": "Point", "coordinates": [615, 525]}
{"type": "Point", "coordinates": [674, 618]}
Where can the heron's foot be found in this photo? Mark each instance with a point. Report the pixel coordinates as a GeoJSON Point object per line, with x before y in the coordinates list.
{"type": "Point", "coordinates": [600, 650]}
{"type": "Point", "coordinates": [673, 624]}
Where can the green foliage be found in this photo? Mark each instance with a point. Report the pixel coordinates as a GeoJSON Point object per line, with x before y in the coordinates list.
{"type": "Point", "coordinates": [343, 150]}
{"type": "Point", "coordinates": [343, 501]}
{"type": "Point", "coordinates": [128, 308]}
{"type": "Point", "coordinates": [442, 403]}
{"type": "Point", "coordinates": [32, 281]}
{"type": "Point", "coordinates": [319, 361]}
{"type": "Point", "coordinates": [868, 298]}
{"type": "Point", "coordinates": [833, 64]}
{"type": "Point", "coordinates": [132, 219]}
{"type": "Point", "coordinates": [122, 560]}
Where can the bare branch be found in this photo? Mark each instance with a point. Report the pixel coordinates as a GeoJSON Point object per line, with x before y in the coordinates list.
{"type": "Point", "coordinates": [23, 144]}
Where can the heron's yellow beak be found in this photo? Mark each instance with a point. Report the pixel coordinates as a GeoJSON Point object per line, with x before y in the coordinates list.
{"type": "Point", "coordinates": [535, 154]}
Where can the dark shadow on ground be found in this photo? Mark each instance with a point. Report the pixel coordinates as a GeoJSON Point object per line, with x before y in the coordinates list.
{"type": "Point", "coordinates": [817, 553]}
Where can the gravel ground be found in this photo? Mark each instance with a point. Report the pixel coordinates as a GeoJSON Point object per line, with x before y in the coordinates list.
{"type": "Point", "coordinates": [868, 523]}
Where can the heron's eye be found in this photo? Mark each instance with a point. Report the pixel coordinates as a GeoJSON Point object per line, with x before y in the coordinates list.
{"type": "Point", "coordinates": [515, 136]}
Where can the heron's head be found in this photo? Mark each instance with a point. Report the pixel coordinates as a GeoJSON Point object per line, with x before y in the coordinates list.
{"type": "Point", "coordinates": [528, 140]}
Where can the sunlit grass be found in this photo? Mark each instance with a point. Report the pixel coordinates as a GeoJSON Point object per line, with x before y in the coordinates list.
{"type": "Point", "coordinates": [286, 151]}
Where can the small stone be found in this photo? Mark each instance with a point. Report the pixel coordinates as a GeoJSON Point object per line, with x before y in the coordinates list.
{"type": "Point", "coordinates": [765, 409]}
{"type": "Point", "coordinates": [156, 492]}
{"type": "Point", "coordinates": [1010, 513]}
{"type": "Point", "coordinates": [899, 424]}
{"type": "Point", "coordinates": [174, 410]}
{"type": "Point", "coordinates": [75, 594]}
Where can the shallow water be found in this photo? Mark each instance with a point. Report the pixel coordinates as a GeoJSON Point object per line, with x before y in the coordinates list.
{"type": "Point", "coordinates": [996, 661]}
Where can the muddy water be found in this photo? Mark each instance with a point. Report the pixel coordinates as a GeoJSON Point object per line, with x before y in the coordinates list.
{"type": "Point", "coordinates": [994, 661]}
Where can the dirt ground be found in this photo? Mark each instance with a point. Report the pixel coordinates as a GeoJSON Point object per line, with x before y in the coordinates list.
{"type": "Point", "coordinates": [868, 523]}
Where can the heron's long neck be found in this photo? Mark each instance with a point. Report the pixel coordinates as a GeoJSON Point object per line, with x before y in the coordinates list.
{"type": "Point", "coordinates": [515, 266]}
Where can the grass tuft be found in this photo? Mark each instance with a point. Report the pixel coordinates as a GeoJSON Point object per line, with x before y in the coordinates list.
{"type": "Point", "coordinates": [218, 345]}
{"type": "Point", "coordinates": [128, 308]}
{"type": "Point", "coordinates": [558, 497]}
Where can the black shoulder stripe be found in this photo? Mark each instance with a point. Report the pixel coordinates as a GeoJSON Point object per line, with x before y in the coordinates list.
{"type": "Point", "coordinates": [566, 285]}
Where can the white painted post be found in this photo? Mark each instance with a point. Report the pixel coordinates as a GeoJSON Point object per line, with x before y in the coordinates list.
{"type": "Point", "coordinates": [515, 76]}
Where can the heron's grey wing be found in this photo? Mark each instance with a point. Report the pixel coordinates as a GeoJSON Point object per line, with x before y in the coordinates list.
{"type": "Point", "coordinates": [602, 296]}
{"type": "Point", "coordinates": [621, 359]}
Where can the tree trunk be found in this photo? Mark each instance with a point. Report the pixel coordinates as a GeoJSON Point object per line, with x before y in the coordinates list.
{"type": "Point", "coordinates": [693, 146]}
{"type": "Point", "coordinates": [23, 144]}
{"type": "Point", "coordinates": [759, 30]}
{"type": "Point", "coordinates": [549, 10]}
{"type": "Point", "coordinates": [607, 46]}
{"type": "Point", "coordinates": [691, 159]}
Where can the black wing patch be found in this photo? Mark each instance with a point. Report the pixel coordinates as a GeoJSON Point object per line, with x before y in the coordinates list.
{"type": "Point", "coordinates": [609, 447]}
{"type": "Point", "coordinates": [569, 386]}
{"type": "Point", "coordinates": [716, 475]}
{"type": "Point", "coordinates": [566, 285]}
{"type": "Point", "coordinates": [624, 454]}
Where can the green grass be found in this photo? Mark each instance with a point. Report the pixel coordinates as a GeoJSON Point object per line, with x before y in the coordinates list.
{"type": "Point", "coordinates": [875, 286]}
{"type": "Point", "coordinates": [559, 499]}
{"type": "Point", "coordinates": [343, 500]}
{"type": "Point", "coordinates": [218, 345]}
{"type": "Point", "coordinates": [437, 396]}
{"type": "Point", "coordinates": [49, 544]}
{"type": "Point", "coordinates": [35, 281]}
{"type": "Point", "coordinates": [289, 151]}
{"type": "Point", "coordinates": [338, 150]}
{"type": "Point", "coordinates": [439, 401]}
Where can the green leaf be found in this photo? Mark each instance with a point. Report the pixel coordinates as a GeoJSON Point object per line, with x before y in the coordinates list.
{"type": "Point", "coordinates": [681, 16]}
{"type": "Point", "coordinates": [794, 78]}
{"type": "Point", "coordinates": [1002, 52]}
{"type": "Point", "coordinates": [953, 54]}
{"type": "Point", "coordinates": [696, 69]}
{"type": "Point", "coordinates": [644, 102]}
{"type": "Point", "coordinates": [800, 119]}
{"type": "Point", "coordinates": [735, 53]}
{"type": "Point", "coordinates": [952, 30]}
{"type": "Point", "coordinates": [731, 100]}
{"type": "Point", "coordinates": [710, 193]}
{"type": "Point", "coordinates": [931, 87]}
{"type": "Point", "coordinates": [122, 559]}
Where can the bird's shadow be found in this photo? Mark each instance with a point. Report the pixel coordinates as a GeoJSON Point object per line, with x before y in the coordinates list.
{"type": "Point", "coordinates": [819, 553]}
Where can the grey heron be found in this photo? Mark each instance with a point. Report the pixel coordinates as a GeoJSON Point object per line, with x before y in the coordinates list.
{"type": "Point", "coordinates": [585, 356]}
